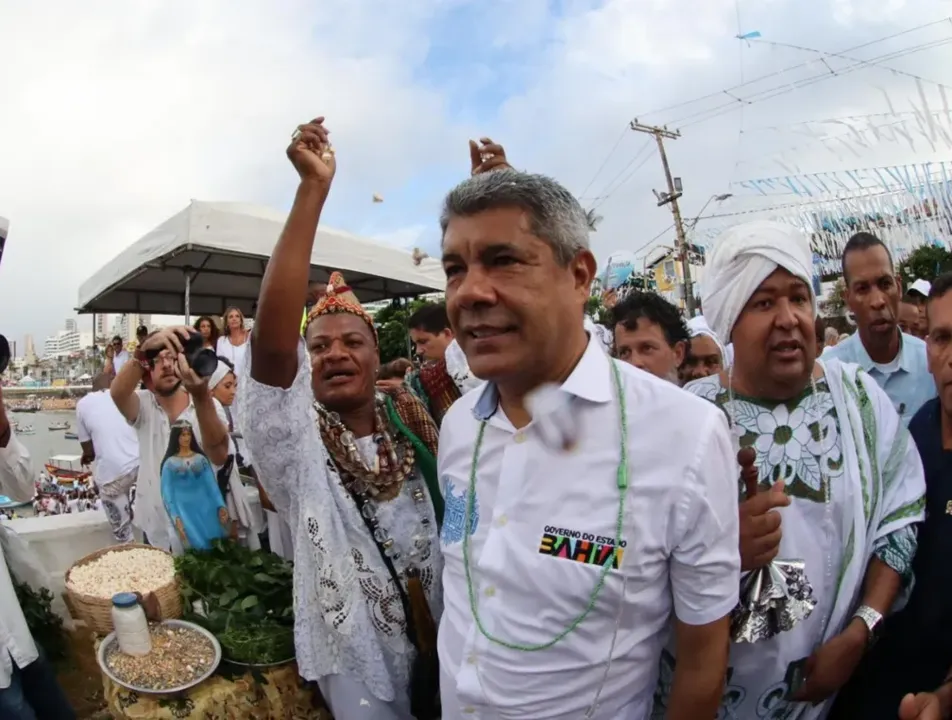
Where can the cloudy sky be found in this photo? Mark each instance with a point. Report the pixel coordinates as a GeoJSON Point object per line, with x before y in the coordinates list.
{"type": "Point", "coordinates": [115, 114]}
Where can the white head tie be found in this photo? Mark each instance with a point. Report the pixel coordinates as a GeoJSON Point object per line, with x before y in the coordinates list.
{"type": "Point", "coordinates": [742, 258]}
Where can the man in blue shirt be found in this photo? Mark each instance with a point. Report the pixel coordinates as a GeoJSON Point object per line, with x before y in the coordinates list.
{"type": "Point", "coordinates": [895, 360]}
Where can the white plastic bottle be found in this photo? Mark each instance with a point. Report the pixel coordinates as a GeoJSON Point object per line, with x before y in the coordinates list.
{"type": "Point", "coordinates": [132, 628]}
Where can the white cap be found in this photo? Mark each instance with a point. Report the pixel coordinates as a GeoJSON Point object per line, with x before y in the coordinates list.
{"type": "Point", "coordinates": [921, 286]}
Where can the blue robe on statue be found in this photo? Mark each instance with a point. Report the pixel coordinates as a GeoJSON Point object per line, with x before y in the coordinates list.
{"type": "Point", "coordinates": [193, 501]}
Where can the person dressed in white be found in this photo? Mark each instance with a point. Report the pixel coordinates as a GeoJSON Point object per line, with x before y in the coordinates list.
{"type": "Point", "coordinates": [577, 535]}
{"type": "Point", "coordinates": [354, 474]}
{"type": "Point", "coordinates": [107, 439]}
{"type": "Point", "coordinates": [174, 392]}
{"type": "Point", "coordinates": [28, 686]}
{"type": "Point", "coordinates": [116, 356]}
{"type": "Point", "coordinates": [223, 385]}
{"type": "Point", "coordinates": [234, 342]}
{"type": "Point", "coordinates": [831, 451]}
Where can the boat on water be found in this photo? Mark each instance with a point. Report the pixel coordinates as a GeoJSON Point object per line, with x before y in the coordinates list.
{"type": "Point", "coordinates": [67, 470]}
{"type": "Point", "coordinates": [59, 426]}
{"type": "Point", "coordinates": [71, 436]}
{"type": "Point", "coordinates": [25, 430]}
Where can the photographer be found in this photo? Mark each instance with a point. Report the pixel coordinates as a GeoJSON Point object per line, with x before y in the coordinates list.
{"type": "Point", "coordinates": [28, 686]}
{"type": "Point", "coordinates": [174, 391]}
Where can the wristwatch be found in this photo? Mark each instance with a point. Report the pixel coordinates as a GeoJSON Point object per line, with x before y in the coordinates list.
{"type": "Point", "coordinates": [873, 619]}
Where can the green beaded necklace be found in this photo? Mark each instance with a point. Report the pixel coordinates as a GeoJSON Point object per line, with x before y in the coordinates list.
{"type": "Point", "coordinates": [622, 482]}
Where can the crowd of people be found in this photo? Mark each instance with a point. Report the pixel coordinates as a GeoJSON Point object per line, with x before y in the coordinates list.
{"type": "Point", "coordinates": [546, 518]}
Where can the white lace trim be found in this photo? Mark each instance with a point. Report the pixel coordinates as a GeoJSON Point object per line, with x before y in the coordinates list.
{"type": "Point", "coordinates": [348, 615]}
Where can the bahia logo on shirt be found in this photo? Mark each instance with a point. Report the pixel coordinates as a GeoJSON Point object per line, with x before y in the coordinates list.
{"type": "Point", "coordinates": [454, 515]}
{"type": "Point", "coordinates": [582, 547]}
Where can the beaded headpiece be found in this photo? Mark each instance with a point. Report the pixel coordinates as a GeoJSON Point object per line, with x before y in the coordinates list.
{"type": "Point", "coordinates": [339, 298]}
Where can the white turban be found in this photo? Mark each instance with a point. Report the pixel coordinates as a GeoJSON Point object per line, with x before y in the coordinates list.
{"type": "Point", "coordinates": [743, 257]}
{"type": "Point", "coordinates": [698, 326]}
{"type": "Point", "coordinates": [220, 372]}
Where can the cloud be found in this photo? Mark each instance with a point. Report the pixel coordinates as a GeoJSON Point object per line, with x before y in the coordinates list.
{"type": "Point", "coordinates": [650, 59]}
{"type": "Point", "coordinates": [117, 114]}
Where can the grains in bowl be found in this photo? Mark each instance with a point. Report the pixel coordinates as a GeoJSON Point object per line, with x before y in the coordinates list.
{"type": "Point", "coordinates": [134, 570]}
{"type": "Point", "coordinates": [179, 656]}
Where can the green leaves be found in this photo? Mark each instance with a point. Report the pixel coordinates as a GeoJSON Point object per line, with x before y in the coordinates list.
{"type": "Point", "coordinates": [925, 262]}
{"type": "Point", "coordinates": [248, 596]}
{"type": "Point", "coordinates": [45, 626]}
{"type": "Point", "coordinates": [249, 602]}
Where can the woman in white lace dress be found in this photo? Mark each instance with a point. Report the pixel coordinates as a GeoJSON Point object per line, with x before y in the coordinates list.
{"type": "Point", "coordinates": [354, 473]}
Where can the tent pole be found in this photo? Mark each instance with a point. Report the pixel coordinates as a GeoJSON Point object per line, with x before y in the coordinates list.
{"type": "Point", "coordinates": [188, 292]}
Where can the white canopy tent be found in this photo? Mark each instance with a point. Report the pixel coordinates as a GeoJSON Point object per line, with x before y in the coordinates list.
{"type": "Point", "coordinates": [210, 256]}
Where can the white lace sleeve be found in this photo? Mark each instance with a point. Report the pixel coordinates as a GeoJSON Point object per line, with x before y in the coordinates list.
{"type": "Point", "coordinates": [278, 425]}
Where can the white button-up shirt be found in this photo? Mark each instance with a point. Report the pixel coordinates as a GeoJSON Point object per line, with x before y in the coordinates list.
{"type": "Point", "coordinates": [544, 521]}
{"type": "Point", "coordinates": [16, 642]}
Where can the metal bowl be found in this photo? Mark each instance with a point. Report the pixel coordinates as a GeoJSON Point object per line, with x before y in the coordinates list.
{"type": "Point", "coordinates": [111, 638]}
{"type": "Point", "coordinates": [260, 666]}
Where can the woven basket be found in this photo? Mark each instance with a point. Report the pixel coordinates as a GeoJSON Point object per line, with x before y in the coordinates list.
{"type": "Point", "coordinates": [96, 612]}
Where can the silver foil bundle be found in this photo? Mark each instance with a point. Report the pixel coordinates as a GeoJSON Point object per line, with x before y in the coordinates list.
{"type": "Point", "coordinates": [773, 599]}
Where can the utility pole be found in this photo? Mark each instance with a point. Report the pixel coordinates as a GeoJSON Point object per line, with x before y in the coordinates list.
{"type": "Point", "coordinates": [671, 198]}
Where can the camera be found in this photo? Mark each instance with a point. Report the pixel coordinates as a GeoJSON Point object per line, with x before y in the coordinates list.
{"type": "Point", "coordinates": [4, 354]}
{"type": "Point", "coordinates": [201, 359]}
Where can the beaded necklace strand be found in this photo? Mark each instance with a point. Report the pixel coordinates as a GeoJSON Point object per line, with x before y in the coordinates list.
{"type": "Point", "coordinates": [622, 483]}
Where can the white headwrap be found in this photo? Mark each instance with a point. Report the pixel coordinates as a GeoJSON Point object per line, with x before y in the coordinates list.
{"type": "Point", "coordinates": [743, 257]}
{"type": "Point", "coordinates": [698, 326]}
{"type": "Point", "coordinates": [220, 372]}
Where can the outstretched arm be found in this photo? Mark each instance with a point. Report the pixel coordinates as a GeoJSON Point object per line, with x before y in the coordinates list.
{"type": "Point", "coordinates": [277, 331]}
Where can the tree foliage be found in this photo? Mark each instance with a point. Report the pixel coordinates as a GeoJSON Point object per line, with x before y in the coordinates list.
{"type": "Point", "coordinates": [593, 219]}
{"type": "Point", "coordinates": [926, 263]}
{"type": "Point", "coordinates": [835, 304]}
{"type": "Point", "coordinates": [595, 308]}
{"type": "Point", "coordinates": [392, 329]}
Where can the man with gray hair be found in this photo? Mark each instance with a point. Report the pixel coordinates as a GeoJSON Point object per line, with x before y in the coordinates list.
{"type": "Point", "coordinates": [572, 535]}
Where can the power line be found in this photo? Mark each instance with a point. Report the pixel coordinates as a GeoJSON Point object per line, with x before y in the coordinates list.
{"type": "Point", "coordinates": [652, 240]}
{"type": "Point", "coordinates": [770, 93]}
{"type": "Point", "coordinates": [601, 167]}
{"type": "Point", "coordinates": [775, 73]}
{"type": "Point", "coordinates": [842, 56]}
{"type": "Point", "coordinates": [607, 194]}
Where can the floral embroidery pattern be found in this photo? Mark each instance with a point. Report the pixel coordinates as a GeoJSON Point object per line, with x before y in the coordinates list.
{"type": "Point", "coordinates": [797, 441]}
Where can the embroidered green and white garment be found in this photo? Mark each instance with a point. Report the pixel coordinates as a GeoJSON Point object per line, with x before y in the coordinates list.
{"type": "Point", "coordinates": [846, 438]}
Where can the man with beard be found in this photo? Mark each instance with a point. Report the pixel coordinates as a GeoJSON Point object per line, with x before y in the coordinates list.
{"type": "Point", "coordinates": [173, 392]}
{"type": "Point", "coordinates": [650, 334]}
{"type": "Point", "coordinates": [895, 360]}
{"type": "Point", "coordinates": [568, 559]}
{"type": "Point", "coordinates": [830, 450]}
